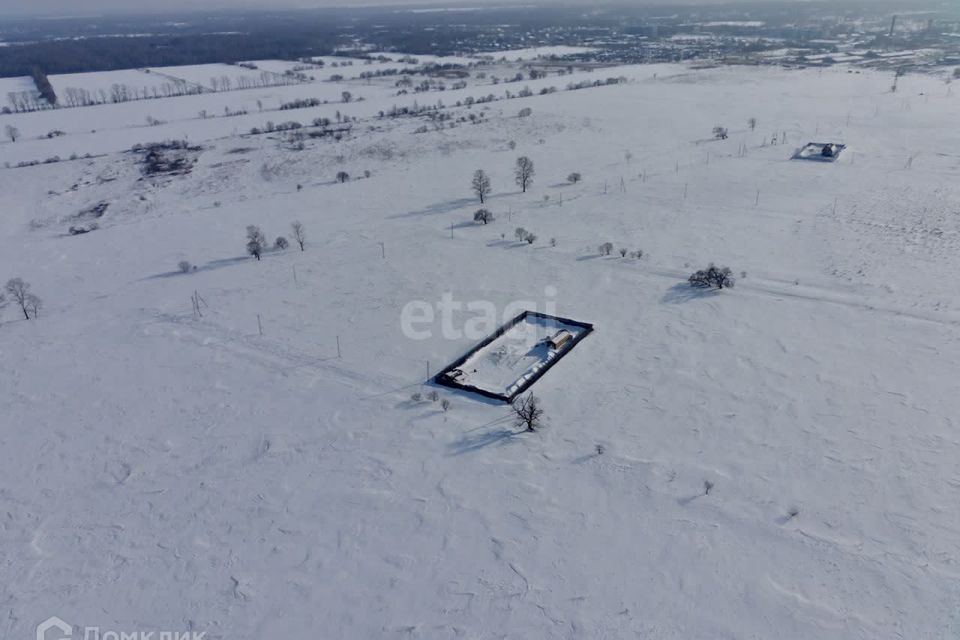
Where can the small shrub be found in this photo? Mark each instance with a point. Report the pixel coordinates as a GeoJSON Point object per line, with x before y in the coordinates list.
{"type": "Point", "coordinates": [606, 248]}
{"type": "Point", "coordinates": [280, 243]}
{"type": "Point", "coordinates": [184, 266]}
{"type": "Point", "coordinates": [445, 405]}
{"type": "Point", "coordinates": [483, 216]}
{"type": "Point", "coordinates": [416, 397]}
{"type": "Point", "coordinates": [530, 238]}
{"type": "Point", "coordinates": [433, 396]}
{"type": "Point", "coordinates": [574, 178]}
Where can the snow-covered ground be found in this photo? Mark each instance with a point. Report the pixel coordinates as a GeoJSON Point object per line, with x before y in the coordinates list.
{"type": "Point", "coordinates": [533, 53]}
{"type": "Point", "coordinates": [139, 80]}
{"type": "Point", "coordinates": [776, 460]}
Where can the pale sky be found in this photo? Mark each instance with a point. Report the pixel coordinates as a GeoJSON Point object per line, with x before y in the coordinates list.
{"type": "Point", "coordinates": [65, 8]}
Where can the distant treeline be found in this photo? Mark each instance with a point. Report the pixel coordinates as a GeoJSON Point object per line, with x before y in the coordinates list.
{"type": "Point", "coordinates": [108, 54]}
{"type": "Point", "coordinates": [75, 46]}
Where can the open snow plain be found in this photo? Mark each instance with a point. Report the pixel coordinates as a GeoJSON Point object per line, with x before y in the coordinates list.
{"type": "Point", "coordinates": [777, 460]}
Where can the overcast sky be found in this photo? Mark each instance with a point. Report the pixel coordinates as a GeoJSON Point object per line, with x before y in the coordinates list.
{"type": "Point", "coordinates": [88, 7]}
{"type": "Point", "coordinates": [92, 7]}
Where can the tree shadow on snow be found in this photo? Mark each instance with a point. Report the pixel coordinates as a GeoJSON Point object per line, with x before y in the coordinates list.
{"type": "Point", "coordinates": [215, 264]}
{"type": "Point", "coordinates": [471, 443]}
{"type": "Point", "coordinates": [440, 207]}
{"type": "Point", "coordinates": [682, 292]}
{"type": "Point", "coordinates": [683, 502]}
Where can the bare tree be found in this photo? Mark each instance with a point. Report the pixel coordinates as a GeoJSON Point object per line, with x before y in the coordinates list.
{"type": "Point", "coordinates": [299, 234]}
{"type": "Point", "coordinates": [256, 241]}
{"type": "Point", "coordinates": [752, 123]}
{"type": "Point", "coordinates": [527, 412]}
{"type": "Point", "coordinates": [481, 184]}
{"type": "Point", "coordinates": [524, 172]}
{"type": "Point", "coordinates": [20, 292]}
{"type": "Point", "coordinates": [12, 132]}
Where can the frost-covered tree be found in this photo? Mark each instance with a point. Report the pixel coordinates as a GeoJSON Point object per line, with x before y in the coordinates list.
{"type": "Point", "coordinates": [184, 266]}
{"type": "Point", "coordinates": [524, 172]}
{"type": "Point", "coordinates": [481, 184]}
{"type": "Point", "coordinates": [527, 412]}
{"type": "Point", "coordinates": [520, 234]}
{"type": "Point", "coordinates": [483, 216]}
{"type": "Point", "coordinates": [574, 178]}
{"type": "Point", "coordinates": [712, 277]}
{"type": "Point", "coordinates": [256, 241]}
{"type": "Point", "coordinates": [12, 132]}
{"type": "Point", "coordinates": [606, 248]}
{"type": "Point", "coordinates": [720, 133]}
{"type": "Point", "coordinates": [342, 176]}
{"type": "Point", "coordinates": [20, 293]}
{"type": "Point", "coordinates": [280, 243]}
{"type": "Point", "coordinates": [526, 112]}
{"type": "Point", "coordinates": [299, 234]}
{"type": "Point", "coordinates": [752, 123]}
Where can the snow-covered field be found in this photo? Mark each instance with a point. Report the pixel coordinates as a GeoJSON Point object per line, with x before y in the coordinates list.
{"type": "Point", "coordinates": [95, 82]}
{"type": "Point", "coordinates": [533, 53]}
{"type": "Point", "coordinates": [775, 460]}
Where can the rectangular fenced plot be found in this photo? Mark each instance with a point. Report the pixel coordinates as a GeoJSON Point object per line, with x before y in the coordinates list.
{"type": "Point", "coordinates": [519, 353]}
